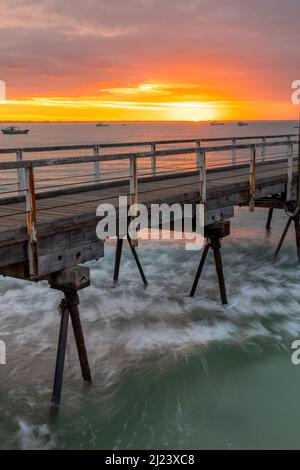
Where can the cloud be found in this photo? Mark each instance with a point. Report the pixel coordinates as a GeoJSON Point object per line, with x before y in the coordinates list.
{"type": "Point", "coordinates": [233, 48]}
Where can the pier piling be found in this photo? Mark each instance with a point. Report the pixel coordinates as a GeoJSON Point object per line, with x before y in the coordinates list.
{"type": "Point", "coordinates": [269, 219]}
{"type": "Point", "coordinates": [214, 233]}
{"type": "Point", "coordinates": [118, 255]}
{"type": "Point", "coordinates": [60, 357]}
{"type": "Point", "coordinates": [216, 246]}
{"type": "Point", "coordinates": [69, 281]}
{"type": "Point", "coordinates": [297, 233]}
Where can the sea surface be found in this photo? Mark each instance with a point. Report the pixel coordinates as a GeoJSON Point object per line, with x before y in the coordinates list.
{"type": "Point", "coordinates": [169, 371]}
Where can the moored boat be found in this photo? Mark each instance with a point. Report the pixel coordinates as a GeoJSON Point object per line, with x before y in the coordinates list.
{"type": "Point", "coordinates": [101, 124]}
{"type": "Point", "coordinates": [14, 130]}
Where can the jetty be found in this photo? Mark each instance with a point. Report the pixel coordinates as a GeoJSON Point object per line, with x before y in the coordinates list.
{"type": "Point", "coordinates": [49, 197]}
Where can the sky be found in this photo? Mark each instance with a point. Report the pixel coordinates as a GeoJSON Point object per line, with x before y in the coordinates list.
{"type": "Point", "coordinates": [149, 59]}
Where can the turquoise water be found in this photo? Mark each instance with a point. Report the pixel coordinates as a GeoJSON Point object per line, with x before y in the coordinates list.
{"type": "Point", "coordinates": [168, 371]}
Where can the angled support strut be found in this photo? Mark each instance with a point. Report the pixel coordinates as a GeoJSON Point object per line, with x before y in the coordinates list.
{"type": "Point", "coordinates": [118, 259]}
{"type": "Point", "coordinates": [296, 220]}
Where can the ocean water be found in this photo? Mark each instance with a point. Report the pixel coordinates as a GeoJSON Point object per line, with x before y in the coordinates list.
{"type": "Point", "coordinates": [87, 133]}
{"type": "Point", "coordinates": [168, 371]}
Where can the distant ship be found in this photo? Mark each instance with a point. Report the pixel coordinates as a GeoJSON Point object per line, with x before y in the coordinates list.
{"type": "Point", "coordinates": [14, 131]}
{"type": "Point", "coordinates": [242, 124]}
{"type": "Point", "coordinates": [217, 123]}
{"type": "Point", "coordinates": [101, 124]}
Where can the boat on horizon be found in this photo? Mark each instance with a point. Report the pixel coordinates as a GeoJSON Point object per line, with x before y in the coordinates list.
{"type": "Point", "coordinates": [217, 123]}
{"type": "Point", "coordinates": [13, 130]}
{"type": "Point", "coordinates": [243, 124]}
{"type": "Point", "coordinates": [101, 124]}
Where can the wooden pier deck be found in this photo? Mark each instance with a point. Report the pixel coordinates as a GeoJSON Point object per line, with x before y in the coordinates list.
{"type": "Point", "coordinates": [65, 218]}
{"type": "Point", "coordinates": [47, 232]}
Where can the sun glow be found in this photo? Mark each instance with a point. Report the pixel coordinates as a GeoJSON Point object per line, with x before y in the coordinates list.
{"type": "Point", "coordinates": [92, 108]}
{"type": "Point", "coordinates": [144, 102]}
{"type": "Point", "coordinates": [149, 87]}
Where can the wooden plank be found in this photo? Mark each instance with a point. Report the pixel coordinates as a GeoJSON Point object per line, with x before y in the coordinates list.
{"type": "Point", "coordinates": [59, 250]}
{"type": "Point", "coordinates": [62, 259]}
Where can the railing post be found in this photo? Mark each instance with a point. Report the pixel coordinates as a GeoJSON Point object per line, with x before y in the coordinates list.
{"type": "Point", "coordinates": [21, 173]}
{"type": "Point", "coordinates": [198, 151]}
{"type": "Point", "coordinates": [153, 158]}
{"type": "Point", "coordinates": [133, 194]}
{"type": "Point", "coordinates": [263, 149]}
{"type": "Point", "coordinates": [234, 151]}
{"type": "Point", "coordinates": [290, 172]}
{"type": "Point", "coordinates": [97, 164]}
{"type": "Point", "coordinates": [31, 222]}
{"type": "Point", "coordinates": [201, 165]}
{"type": "Point", "coordinates": [288, 145]}
{"type": "Point", "coordinates": [252, 178]}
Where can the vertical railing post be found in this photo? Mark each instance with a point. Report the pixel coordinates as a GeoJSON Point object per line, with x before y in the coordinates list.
{"type": "Point", "coordinates": [198, 148]}
{"type": "Point", "coordinates": [263, 149]}
{"type": "Point", "coordinates": [252, 178]}
{"type": "Point", "coordinates": [97, 163]}
{"type": "Point", "coordinates": [288, 145]}
{"type": "Point", "coordinates": [201, 165]}
{"type": "Point", "coordinates": [21, 173]}
{"type": "Point", "coordinates": [133, 194]}
{"type": "Point", "coordinates": [234, 151]}
{"type": "Point", "coordinates": [153, 158]}
{"type": "Point", "coordinates": [290, 172]}
{"type": "Point", "coordinates": [31, 222]}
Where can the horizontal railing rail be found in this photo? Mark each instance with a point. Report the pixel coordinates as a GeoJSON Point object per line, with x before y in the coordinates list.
{"type": "Point", "coordinates": [126, 156]}
{"type": "Point", "coordinates": [57, 148]}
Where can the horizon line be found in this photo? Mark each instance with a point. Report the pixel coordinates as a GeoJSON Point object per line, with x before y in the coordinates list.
{"type": "Point", "coordinates": [47, 121]}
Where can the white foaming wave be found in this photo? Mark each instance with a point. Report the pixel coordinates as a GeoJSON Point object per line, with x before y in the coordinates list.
{"type": "Point", "coordinates": [126, 324]}
{"type": "Point", "coordinates": [34, 437]}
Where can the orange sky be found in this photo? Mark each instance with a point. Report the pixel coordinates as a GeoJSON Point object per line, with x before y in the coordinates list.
{"type": "Point", "coordinates": [148, 59]}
